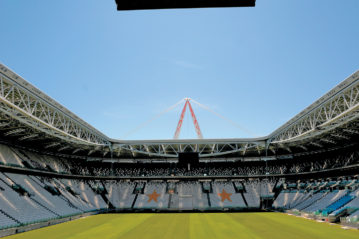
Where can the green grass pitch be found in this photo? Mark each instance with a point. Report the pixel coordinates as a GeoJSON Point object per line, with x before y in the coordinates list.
{"type": "Point", "coordinates": [192, 225]}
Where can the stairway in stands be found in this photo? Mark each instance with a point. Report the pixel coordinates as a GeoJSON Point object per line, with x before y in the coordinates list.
{"type": "Point", "coordinates": [241, 192]}
{"type": "Point", "coordinates": [169, 201]}
{"type": "Point", "coordinates": [276, 189]}
{"type": "Point", "coordinates": [135, 191]}
{"type": "Point", "coordinates": [244, 199]}
{"type": "Point", "coordinates": [207, 189]}
{"type": "Point", "coordinates": [103, 195]}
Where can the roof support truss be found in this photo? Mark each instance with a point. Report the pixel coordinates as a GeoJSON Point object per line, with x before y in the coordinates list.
{"type": "Point", "coordinates": [338, 107]}
{"type": "Point", "coordinates": [28, 107]}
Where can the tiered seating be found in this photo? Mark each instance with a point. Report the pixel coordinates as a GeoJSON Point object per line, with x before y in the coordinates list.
{"type": "Point", "coordinates": [189, 196]}
{"type": "Point", "coordinates": [326, 201]}
{"type": "Point", "coordinates": [6, 221]}
{"type": "Point", "coordinates": [184, 197]}
{"type": "Point", "coordinates": [155, 196]}
{"type": "Point", "coordinates": [288, 199]}
{"type": "Point", "coordinates": [29, 163]}
{"type": "Point", "coordinates": [352, 204]}
{"type": "Point", "coordinates": [220, 191]}
{"type": "Point", "coordinates": [41, 196]}
{"type": "Point", "coordinates": [86, 193]}
{"type": "Point", "coordinates": [75, 200]}
{"type": "Point", "coordinates": [22, 208]}
{"type": "Point", "coordinates": [120, 194]}
{"type": "Point", "coordinates": [252, 194]}
{"type": "Point", "coordinates": [266, 188]}
{"type": "Point", "coordinates": [284, 199]}
{"type": "Point", "coordinates": [310, 200]}
{"type": "Point", "coordinates": [280, 201]}
{"type": "Point", "coordinates": [300, 197]}
{"type": "Point", "coordinates": [113, 195]}
{"type": "Point", "coordinates": [200, 200]}
{"type": "Point", "coordinates": [78, 196]}
{"type": "Point", "coordinates": [7, 156]}
{"type": "Point", "coordinates": [338, 204]}
{"type": "Point", "coordinates": [66, 206]}
{"type": "Point", "coordinates": [46, 161]}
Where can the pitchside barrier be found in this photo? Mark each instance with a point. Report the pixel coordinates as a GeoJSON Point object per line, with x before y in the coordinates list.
{"type": "Point", "coordinates": [350, 222]}
{"type": "Point", "coordinates": [39, 224]}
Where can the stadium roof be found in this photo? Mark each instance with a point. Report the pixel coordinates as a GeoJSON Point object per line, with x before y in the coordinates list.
{"type": "Point", "coordinates": [30, 118]}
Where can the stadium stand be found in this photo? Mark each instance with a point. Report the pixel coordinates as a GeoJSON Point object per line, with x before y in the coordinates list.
{"type": "Point", "coordinates": [189, 196]}
{"type": "Point", "coordinates": [8, 157]}
{"type": "Point", "coordinates": [85, 193]}
{"type": "Point", "coordinates": [121, 193]}
{"type": "Point", "coordinates": [352, 202]}
{"type": "Point", "coordinates": [225, 196]}
{"type": "Point", "coordinates": [252, 193]}
{"type": "Point", "coordinates": [29, 198]}
{"type": "Point", "coordinates": [6, 221]}
{"type": "Point", "coordinates": [325, 201]}
{"type": "Point", "coordinates": [55, 173]}
{"type": "Point", "coordinates": [154, 196]}
{"type": "Point", "coordinates": [21, 208]}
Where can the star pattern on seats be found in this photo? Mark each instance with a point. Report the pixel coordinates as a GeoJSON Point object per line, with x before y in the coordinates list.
{"type": "Point", "coordinates": [224, 195]}
{"type": "Point", "coordinates": [153, 196]}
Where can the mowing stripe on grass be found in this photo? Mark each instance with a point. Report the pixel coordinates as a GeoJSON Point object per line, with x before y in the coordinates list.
{"type": "Point", "coordinates": [192, 226]}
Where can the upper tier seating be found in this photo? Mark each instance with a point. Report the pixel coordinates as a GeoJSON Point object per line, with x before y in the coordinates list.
{"type": "Point", "coordinates": [7, 156]}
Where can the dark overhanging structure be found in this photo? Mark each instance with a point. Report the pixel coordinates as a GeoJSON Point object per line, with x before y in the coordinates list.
{"type": "Point", "coordinates": [123, 5]}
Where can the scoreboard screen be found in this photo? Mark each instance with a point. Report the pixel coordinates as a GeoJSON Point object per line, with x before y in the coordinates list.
{"type": "Point", "coordinates": [188, 158]}
{"type": "Point", "coordinates": [168, 4]}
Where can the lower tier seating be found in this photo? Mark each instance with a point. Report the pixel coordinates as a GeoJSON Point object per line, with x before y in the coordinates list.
{"type": "Point", "coordinates": [27, 199]}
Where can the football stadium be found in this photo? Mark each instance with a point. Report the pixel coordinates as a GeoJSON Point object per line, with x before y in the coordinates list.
{"type": "Point", "coordinates": [61, 177]}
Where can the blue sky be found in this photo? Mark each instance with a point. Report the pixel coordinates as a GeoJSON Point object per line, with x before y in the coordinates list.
{"type": "Point", "coordinates": [256, 66]}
